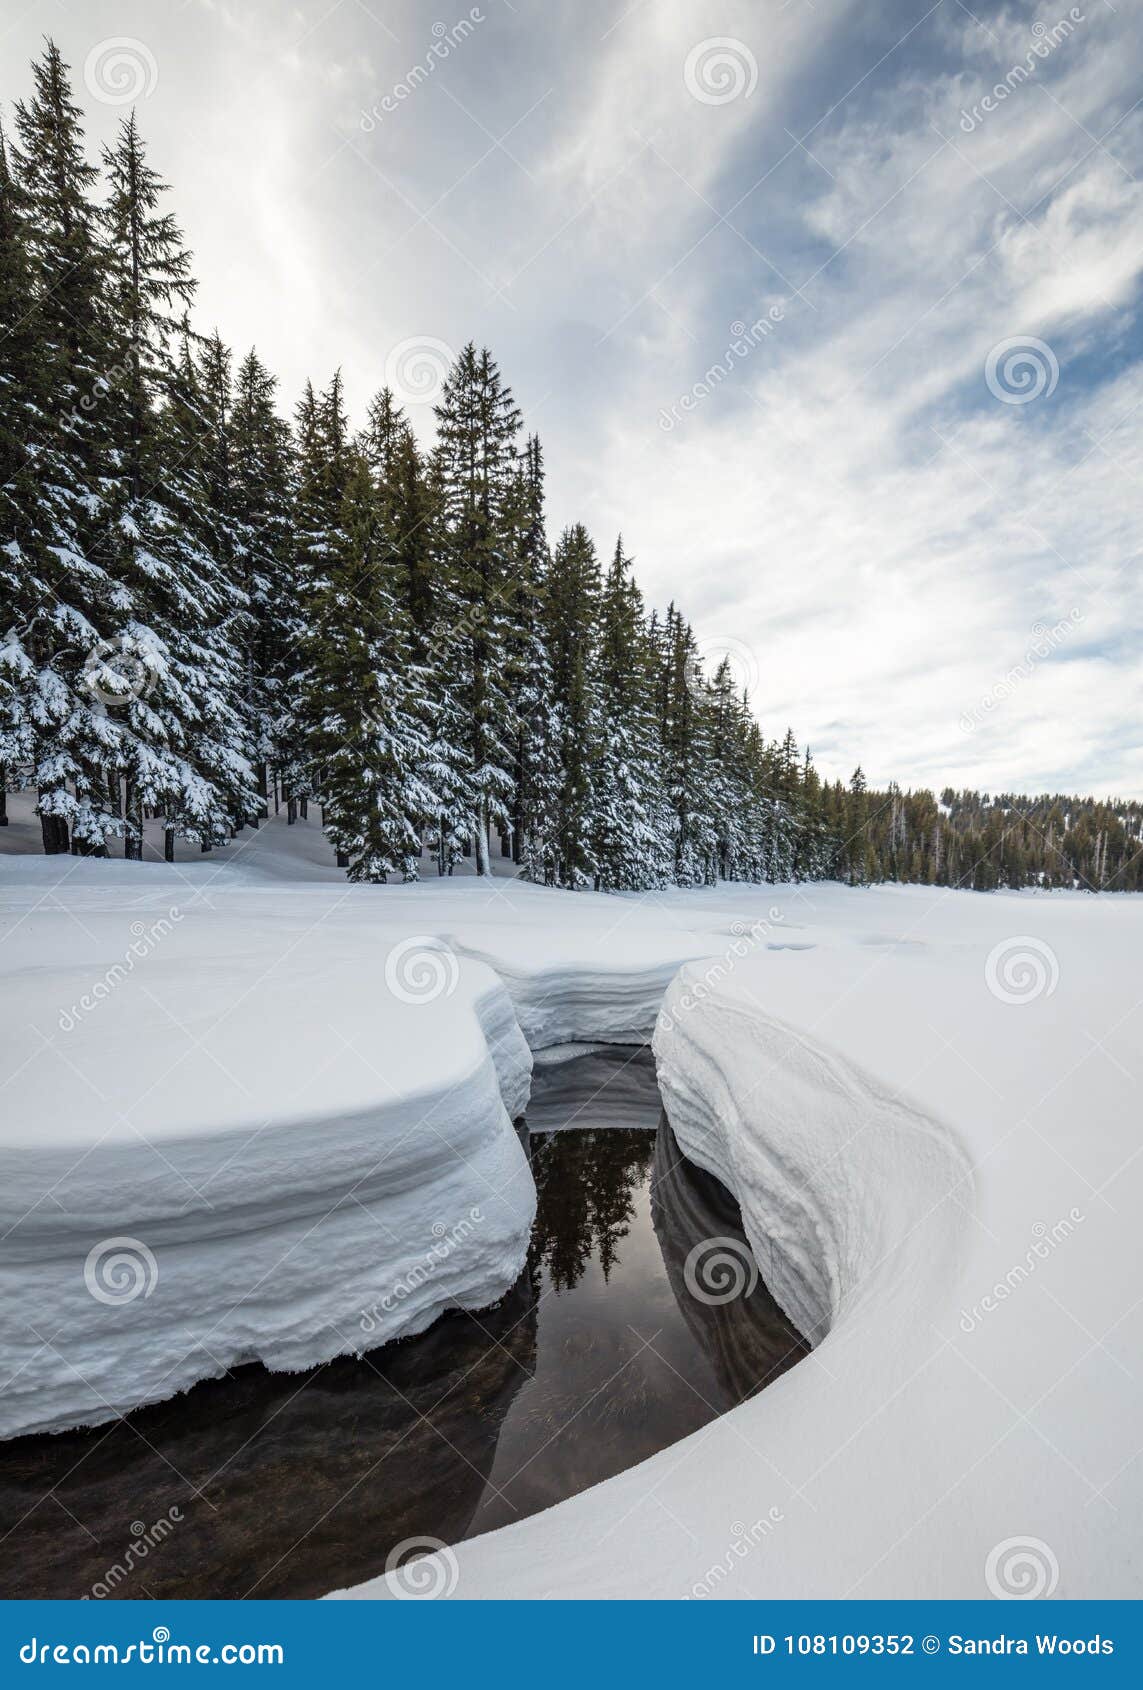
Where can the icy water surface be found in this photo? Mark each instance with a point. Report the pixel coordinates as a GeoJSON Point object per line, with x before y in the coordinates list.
{"type": "Point", "coordinates": [262, 1484]}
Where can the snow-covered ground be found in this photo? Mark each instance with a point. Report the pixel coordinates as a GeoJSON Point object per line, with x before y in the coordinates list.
{"type": "Point", "coordinates": [926, 1103]}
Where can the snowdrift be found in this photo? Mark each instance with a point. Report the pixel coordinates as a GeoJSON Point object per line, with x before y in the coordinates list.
{"type": "Point", "coordinates": [926, 1103]}
{"type": "Point", "coordinates": [261, 1204]}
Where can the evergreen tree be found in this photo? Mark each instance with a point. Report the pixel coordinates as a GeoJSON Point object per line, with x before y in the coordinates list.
{"type": "Point", "coordinates": [57, 593]}
{"type": "Point", "coordinates": [26, 519]}
{"type": "Point", "coordinates": [368, 739]}
{"type": "Point", "coordinates": [325, 461]}
{"type": "Point", "coordinates": [631, 829]}
{"type": "Point", "coordinates": [170, 685]}
{"type": "Point", "coordinates": [686, 746]}
{"type": "Point", "coordinates": [477, 423]}
{"type": "Point", "coordinates": [573, 634]}
{"type": "Point", "coordinates": [528, 674]}
{"type": "Point", "coordinates": [261, 493]}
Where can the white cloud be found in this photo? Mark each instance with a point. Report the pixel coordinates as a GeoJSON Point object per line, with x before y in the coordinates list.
{"type": "Point", "coordinates": [851, 501]}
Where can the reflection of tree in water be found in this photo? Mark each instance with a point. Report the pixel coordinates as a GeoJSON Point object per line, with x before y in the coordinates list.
{"type": "Point", "coordinates": [588, 1206]}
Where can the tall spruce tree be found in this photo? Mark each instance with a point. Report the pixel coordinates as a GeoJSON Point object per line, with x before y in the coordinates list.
{"type": "Point", "coordinates": [368, 738]}
{"type": "Point", "coordinates": [170, 683]}
{"type": "Point", "coordinates": [261, 490]}
{"type": "Point", "coordinates": [325, 460]}
{"type": "Point", "coordinates": [630, 826]}
{"type": "Point", "coordinates": [477, 425]}
{"type": "Point", "coordinates": [573, 635]}
{"type": "Point", "coordinates": [528, 674]}
{"type": "Point", "coordinates": [56, 373]}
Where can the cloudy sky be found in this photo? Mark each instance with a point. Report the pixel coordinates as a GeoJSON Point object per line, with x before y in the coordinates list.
{"type": "Point", "coordinates": [831, 306]}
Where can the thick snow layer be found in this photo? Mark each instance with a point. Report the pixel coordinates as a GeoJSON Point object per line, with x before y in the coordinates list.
{"type": "Point", "coordinates": [926, 1103]}
{"type": "Point", "coordinates": [237, 1130]}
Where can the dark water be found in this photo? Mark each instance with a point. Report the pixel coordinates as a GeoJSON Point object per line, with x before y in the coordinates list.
{"type": "Point", "coordinates": [266, 1484]}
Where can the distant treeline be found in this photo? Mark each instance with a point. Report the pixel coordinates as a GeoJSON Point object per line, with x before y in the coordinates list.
{"type": "Point", "coordinates": [985, 842]}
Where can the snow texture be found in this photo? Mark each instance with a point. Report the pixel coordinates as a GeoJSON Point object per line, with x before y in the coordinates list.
{"type": "Point", "coordinates": [925, 1102]}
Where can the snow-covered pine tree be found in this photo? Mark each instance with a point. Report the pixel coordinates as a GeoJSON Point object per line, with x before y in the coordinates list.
{"type": "Point", "coordinates": [536, 739]}
{"type": "Point", "coordinates": [324, 459]}
{"type": "Point", "coordinates": [26, 521]}
{"type": "Point", "coordinates": [857, 849]}
{"type": "Point", "coordinates": [368, 737]}
{"type": "Point", "coordinates": [261, 481]}
{"type": "Point", "coordinates": [409, 498]}
{"type": "Point", "coordinates": [630, 825]}
{"type": "Point", "coordinates": [407, 509]}
{"type": "Point", "coordinates": [170, 683]}
{"type": "Point", "coordinates": [477, 425]}
{"type": "Point", "coordinates": [812, 850]}
{"type": "Point", "coordinates": [728, 786]}
{"type": "Point", "coordinates": [686, 746]}
{"type": "Point", "coordinates": [573, 637]}
{"type": "Point", "coordinates": [57, 591]}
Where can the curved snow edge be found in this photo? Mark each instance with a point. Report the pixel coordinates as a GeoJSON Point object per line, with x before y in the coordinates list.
{"type": "Point", "coordinates": [834, 1172]}
{"type": "Point", "coordinates": [853, 1198]}
{"type": "Point", "coordinates": [317, 1238]}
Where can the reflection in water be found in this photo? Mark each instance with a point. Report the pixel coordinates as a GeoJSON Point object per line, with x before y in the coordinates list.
{"type": "Point", "coordinates": [296, 1484]}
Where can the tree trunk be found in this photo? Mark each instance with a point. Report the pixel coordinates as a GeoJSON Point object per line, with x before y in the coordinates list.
{"type": "Point", "coordinates": [291, 811]}
{"type": "Point", "coordinates": [480, 841]}
{"type": "Point", "coordinates": [305, 809]}
{"type": "Point", "coordinates": [53, 831]}
{"type": "Point", "coordinates": [261, 774]}
{"type": "Point", "coordinates": [343, 859]}
{"type": "Point", "coordinates": [168, 844]}
{"type": "Point", "coordinates": [133, 812]}
{"type": "Point", "coordinates": [3, 796]}
{"type": "Point", "coordinates": [518, 818]}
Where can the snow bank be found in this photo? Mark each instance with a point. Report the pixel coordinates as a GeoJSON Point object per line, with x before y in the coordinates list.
{"type": "Point", "coordinates": [927, 1105]}
{"type": "Point", "coordinates": [832, 1171]}
{"type": "Point", "coordinates": [334, 1170]}
{"type": "Point", "coordinates": [925, 1101]}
